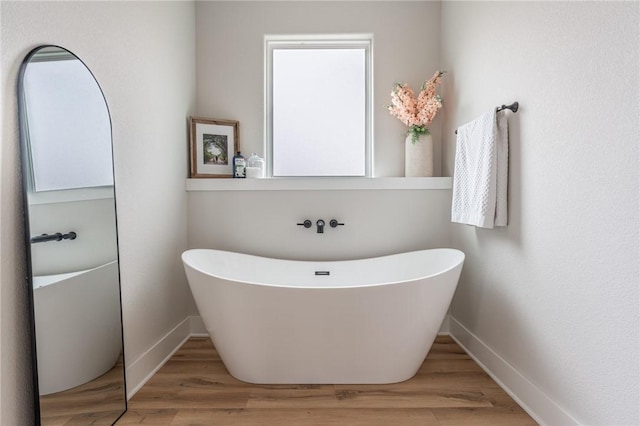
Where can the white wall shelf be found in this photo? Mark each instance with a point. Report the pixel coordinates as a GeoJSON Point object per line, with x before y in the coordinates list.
{"type": "Point", "coordinates": [318, 184]}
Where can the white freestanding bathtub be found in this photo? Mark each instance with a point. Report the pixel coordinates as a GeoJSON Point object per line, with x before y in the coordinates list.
{"type": "Point", "coordinates": [359, 321]}
{"type": "Point", "coordinates": [72, 352]}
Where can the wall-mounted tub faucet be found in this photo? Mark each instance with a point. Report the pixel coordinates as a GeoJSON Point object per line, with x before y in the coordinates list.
{"type": "Point", "coordinates": [320, 224]}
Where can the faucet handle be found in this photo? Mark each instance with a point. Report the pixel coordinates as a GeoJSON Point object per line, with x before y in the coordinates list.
{"type": "Point", "coordinates": [334, 223]}
{"type": "Point", "coordinates": [306, 224]}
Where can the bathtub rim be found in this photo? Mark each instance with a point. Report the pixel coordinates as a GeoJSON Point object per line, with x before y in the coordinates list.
{"type": "Point", "coordinates": [459, 263]}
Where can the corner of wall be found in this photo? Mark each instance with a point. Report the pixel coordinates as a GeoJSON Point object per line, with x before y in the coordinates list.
{"type": "Point", "coordinates": [532, 399]}
{"type": "Point", "coordinates": [146, 365]}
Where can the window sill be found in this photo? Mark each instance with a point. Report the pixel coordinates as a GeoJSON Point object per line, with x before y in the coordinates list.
{"type": "Point", "coordinates": [318, 184]}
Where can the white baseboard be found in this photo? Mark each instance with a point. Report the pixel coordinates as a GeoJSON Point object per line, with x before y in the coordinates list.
{"type": "Point", "coordinates": [533, 400]}
{"type": "Point", "coordinates": [143, 368]}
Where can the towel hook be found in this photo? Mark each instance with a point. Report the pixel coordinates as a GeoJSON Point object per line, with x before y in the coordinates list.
{"type": "Point", "coordinates": [513, 107]}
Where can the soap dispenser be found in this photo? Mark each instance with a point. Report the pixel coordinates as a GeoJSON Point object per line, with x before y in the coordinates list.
{"type": "Point", "coordinates": [239, 166]}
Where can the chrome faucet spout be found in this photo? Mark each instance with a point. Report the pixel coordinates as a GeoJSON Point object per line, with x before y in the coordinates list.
{"type": "Point", "coordinates": [320, 226]}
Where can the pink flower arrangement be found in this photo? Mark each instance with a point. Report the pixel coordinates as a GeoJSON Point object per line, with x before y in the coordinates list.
{"type": "Point", "coordinates": [417, 113]}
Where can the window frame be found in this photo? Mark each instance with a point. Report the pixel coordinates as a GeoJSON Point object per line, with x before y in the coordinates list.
{"type": "Point", "coordinates": [313, 41]}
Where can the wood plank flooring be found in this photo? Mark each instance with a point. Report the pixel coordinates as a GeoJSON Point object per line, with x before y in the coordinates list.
{"type": "Point", "coordinates": [98, 402]}
{"type": "Point", "coordinates": [194, 388]}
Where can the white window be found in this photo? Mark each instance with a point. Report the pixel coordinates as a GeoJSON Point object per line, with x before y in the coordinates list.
{"type": "Point", "coordinates": [69, 132]}
{"type": "Point", "coordinates": [318, 105]}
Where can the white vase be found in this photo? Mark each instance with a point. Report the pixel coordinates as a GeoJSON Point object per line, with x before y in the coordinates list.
{"type": "Point", "coordinates": [418, 156]}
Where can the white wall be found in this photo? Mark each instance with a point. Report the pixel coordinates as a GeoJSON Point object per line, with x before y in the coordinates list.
{"type": "Point", "coordinates": [230, 81]}
{"type": "Point", "coordinates": [376, 222]}
{"type": "Point", "coordinates": [230, 52]}
{"type": "Point", "coordinates": [143, 56]}
{"type": "Point", "coordinates": [555, 294]}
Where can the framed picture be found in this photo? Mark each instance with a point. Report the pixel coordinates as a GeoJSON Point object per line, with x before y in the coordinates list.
{"type": "Point", "coordinates": [213, 143]}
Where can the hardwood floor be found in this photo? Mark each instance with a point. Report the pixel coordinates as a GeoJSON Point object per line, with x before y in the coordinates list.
{"type": "Point", "coordinates": [98, 402]}
{"type": "Point", "coordinates": [194, 388]}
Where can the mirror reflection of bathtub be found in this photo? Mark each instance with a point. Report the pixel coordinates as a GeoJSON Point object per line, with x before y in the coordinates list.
{"type": "Point", "coordinates": [93, 343]}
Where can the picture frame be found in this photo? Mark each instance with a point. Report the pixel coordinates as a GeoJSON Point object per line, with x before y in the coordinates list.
{"type": "Point", "coordinates": [213, 143]}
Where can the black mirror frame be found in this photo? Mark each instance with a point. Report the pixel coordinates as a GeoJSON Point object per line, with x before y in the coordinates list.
{"type": "Point", "coordinates": [24, 157]}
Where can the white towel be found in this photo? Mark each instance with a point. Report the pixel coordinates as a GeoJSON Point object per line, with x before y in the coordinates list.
{"type": "Point", "coordinates": [481, 172]}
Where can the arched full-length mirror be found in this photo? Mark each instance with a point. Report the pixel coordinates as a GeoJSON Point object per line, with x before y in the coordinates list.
{"type": "Point", "coordinates": [71, 240]}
